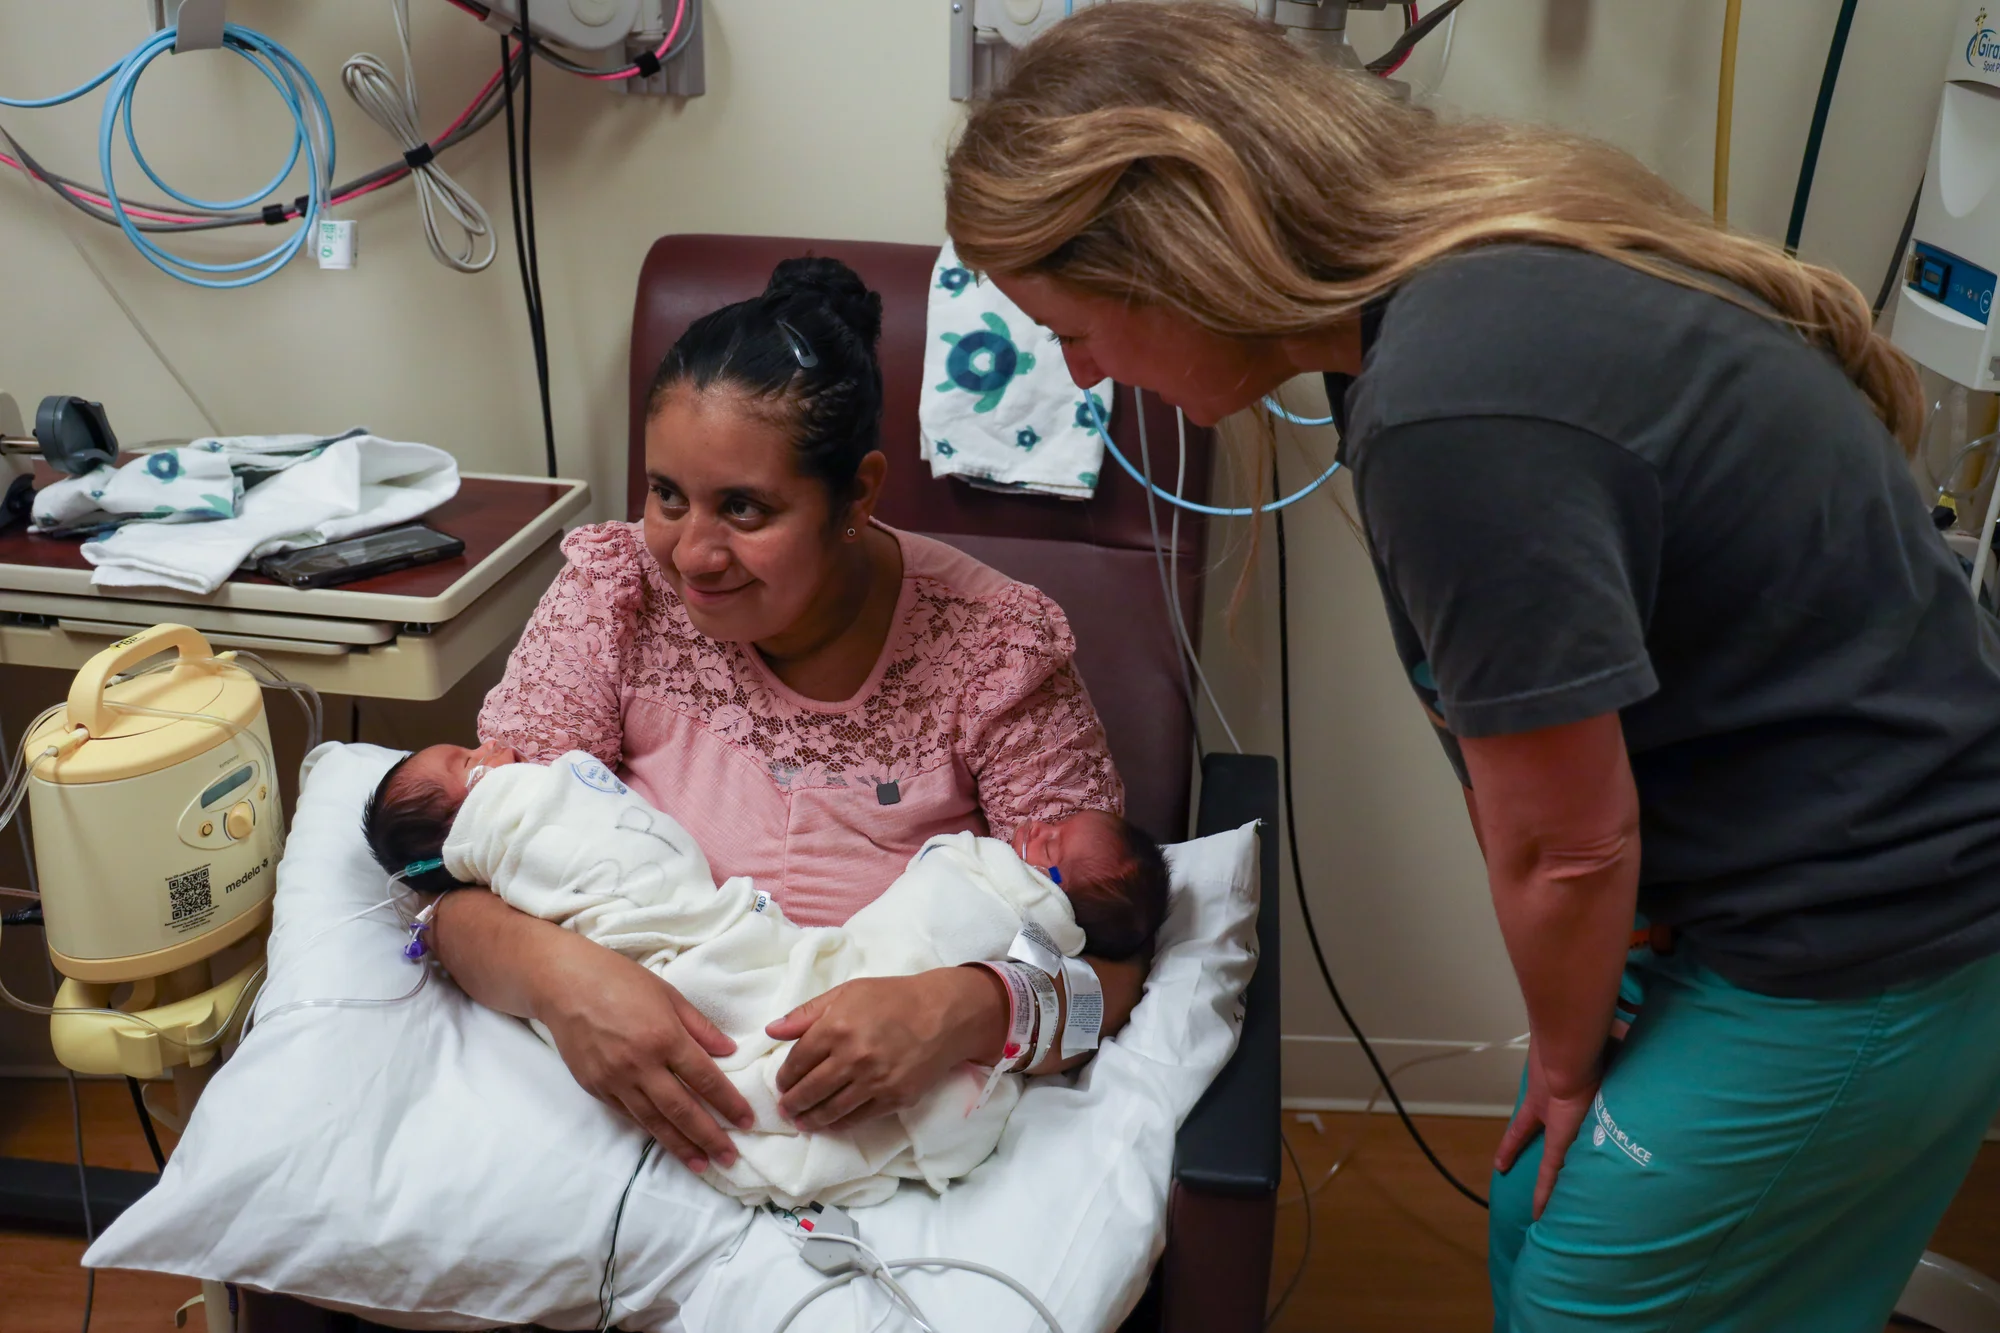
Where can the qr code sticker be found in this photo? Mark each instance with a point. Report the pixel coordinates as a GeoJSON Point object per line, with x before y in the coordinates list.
{"type": "Point", "coordinates": [190, 895]}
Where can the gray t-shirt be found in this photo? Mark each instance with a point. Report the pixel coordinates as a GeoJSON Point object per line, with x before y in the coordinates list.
{"type": "Point", "coordinates": [1589, 490]}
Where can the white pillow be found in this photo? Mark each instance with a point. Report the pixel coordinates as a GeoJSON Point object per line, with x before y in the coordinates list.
{"type": "Point", "coordinates": [434, 1159]}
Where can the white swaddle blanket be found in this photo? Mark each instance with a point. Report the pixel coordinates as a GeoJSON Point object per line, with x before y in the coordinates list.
{"type": "Point", "coordinates": [572, 844]}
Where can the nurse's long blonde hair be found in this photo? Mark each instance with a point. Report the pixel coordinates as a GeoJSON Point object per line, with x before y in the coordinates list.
{"type": "Point", "coordinates": [1187, 155]}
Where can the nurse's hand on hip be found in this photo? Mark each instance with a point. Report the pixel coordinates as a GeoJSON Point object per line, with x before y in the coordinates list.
{"type": "Point", "coordinates": [1557, 816]}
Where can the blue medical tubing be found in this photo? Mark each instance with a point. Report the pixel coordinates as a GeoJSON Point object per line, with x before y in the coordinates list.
{"type": "Point", "coordinates": [41, 103]}
{"type": "Point", "coordinates": [312, 125]}
{"type": "Point", "coordinates": [1214, 511]}
{"type": "Point", "coordinates": [1277, 409]}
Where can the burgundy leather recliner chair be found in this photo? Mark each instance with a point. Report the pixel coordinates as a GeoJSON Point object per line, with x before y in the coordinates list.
{"type": "Point", "coordinates": [1096, 559]}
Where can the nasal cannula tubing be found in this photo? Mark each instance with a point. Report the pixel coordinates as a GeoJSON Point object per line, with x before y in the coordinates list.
{"type": "Point", "coordinates": [1215, 511]}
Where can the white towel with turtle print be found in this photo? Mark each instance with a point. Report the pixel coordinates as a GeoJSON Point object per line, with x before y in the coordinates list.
{"type": "Point", "coordinates": [191, 484]}
{"type": "Point", "coordinates": [998, 407]}
{"type": "Point", "coordinates": [194, 483]}
{"type": "Point", "coordinates": [349, 486]}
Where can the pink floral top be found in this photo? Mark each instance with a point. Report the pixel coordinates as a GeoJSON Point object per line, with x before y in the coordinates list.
{"type": "Point", "coordinates": [973, 718]}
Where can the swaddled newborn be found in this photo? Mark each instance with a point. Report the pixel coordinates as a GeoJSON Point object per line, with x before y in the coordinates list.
{"type": "Point", "coordinates": [572, 844]}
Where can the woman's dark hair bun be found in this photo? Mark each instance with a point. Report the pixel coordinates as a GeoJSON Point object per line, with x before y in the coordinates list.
{"type": "Point", "coordinates": [836, 285]}
{"type": "Point", "coordinates": [805, 344]}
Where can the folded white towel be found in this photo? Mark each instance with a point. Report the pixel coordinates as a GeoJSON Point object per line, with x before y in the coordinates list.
{"type": "Point", "coordinates": [998, 408]}
{"type": "Point", "coordinates": [337, 489]}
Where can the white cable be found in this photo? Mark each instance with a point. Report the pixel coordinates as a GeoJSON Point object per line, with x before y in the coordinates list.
{"type": "Point", "coordinates": [1306, 1195]}
{"type": "Point", "coordinates": [1180, 621]}
{"type": "Point", "coordinates": [1169, 591]}
{"type": "Point", "coordinates": [1170, 571]}
{"type": "Point", "coordinates": [374, 90]}
{"type": "Point", "coordinates": [880, 1272]}
{"type": "Point", "coordinates": [1046, 1315]}
{"type": "Point", "coordinates": [1444, 61]}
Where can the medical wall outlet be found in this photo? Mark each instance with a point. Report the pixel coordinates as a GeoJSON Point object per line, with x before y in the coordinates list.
{"type": "Point", "coordinates": [1944, 307]}
{"type": "Point", "coordinates": [154, 836]}
{"type": "Point", "coordinates": [986, 33]}
{"type": "Point", "coordinates": [614, 32]}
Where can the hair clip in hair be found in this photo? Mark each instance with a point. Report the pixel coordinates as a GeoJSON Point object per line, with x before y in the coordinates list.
{"type": "Point", "coordinates": [802, 351]}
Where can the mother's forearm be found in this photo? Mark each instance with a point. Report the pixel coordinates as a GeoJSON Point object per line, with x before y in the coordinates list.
{"type": "Point", "coordinates": [984, 1011]}
{"type": "Point", "coordinates": [501, 957]}
{"type": "Point", "coordinates": [1122, 984]}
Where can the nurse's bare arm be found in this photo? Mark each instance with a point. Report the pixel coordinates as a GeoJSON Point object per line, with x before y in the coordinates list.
{"type": "Point", "coordinates": [628, 1037]}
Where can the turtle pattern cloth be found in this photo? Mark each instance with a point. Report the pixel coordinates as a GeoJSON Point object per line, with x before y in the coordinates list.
{"type": "Point", "coordinates": [999, 409]}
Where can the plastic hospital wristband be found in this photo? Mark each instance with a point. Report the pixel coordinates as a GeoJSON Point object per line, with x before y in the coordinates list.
{"type": "Point", "coordinates": [1020, 1013]}
{"type": "Point", "coordinates": [1083, 1021]}
{"type": "Point", "coordinates": [1048, 1000]}
{"type": "Point", "coordinates": [1034, 947]}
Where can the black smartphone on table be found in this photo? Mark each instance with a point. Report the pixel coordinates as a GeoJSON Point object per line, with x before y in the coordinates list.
{"type": "Point", "coordinates": [360, 557]}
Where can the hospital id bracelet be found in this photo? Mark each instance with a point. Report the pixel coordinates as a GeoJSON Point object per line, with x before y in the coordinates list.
{"type": "Point", "coordinates": [1020, 1016]}
{"type": "Point", "coordinates": [1048, 1001]}
{"type": "Point", "coordinates": [1083, 1020]}
{"type": "Point", "coordinates": [1033, 946]}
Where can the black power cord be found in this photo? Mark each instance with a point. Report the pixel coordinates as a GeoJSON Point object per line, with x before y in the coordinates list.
{"type": "Point", "coordinates": [1412, 34]}
{"type": "Point", "coordinates": [1298, 874]}
{"type": "Point", "coordinates": [1828, 77]}
{"type": "Point", "coordinates": [607, 1292]}
{"type": "Point", "coordinates": [146, 1121]}
{"type": "Point", "coordinates": [521, 198]}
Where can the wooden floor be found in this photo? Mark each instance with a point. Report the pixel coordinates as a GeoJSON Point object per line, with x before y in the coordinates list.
{"type": "Point", "coordinates": [41, 1286]}
{"type": "Point", "coordinates": [1394, 1249]}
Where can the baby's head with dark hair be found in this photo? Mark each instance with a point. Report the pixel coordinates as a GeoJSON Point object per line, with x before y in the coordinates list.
{"type": "Point", "coordinates": [410, 813]}
{"type": "Point", "coordinates": [1113, 873]}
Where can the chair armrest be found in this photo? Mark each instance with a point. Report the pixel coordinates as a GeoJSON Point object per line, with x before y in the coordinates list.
{"type": "Point", "coordinates": [1229, 1143]}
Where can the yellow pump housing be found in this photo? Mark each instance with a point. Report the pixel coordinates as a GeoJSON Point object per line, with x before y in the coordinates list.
{"type": "Point", "coordinates": [155, 837]}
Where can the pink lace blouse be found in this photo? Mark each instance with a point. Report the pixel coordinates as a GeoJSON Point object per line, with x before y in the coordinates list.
{"type": "Point", "coordinates": [973, 718]}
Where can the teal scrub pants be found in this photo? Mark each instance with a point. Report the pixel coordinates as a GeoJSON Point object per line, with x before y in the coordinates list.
{"type": "Point", "coordinates": [1754, 1164]}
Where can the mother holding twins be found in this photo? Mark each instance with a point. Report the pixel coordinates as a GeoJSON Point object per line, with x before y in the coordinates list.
{"type": "Point", "coordinates": [812, 693]}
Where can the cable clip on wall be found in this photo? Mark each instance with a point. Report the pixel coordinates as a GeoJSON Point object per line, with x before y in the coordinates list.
{"type": "Point", "coordinates": [197, 24]}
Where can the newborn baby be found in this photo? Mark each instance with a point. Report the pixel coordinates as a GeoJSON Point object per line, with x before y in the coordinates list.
{"type": "Point", "coordinates": [572, 844]}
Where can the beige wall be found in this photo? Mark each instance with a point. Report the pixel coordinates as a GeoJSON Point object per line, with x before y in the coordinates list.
{"type": "Point", "coordinates": [829, 120]}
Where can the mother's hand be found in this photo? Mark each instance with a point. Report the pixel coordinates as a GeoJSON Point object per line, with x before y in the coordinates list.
{"type": "Point", "coordinates": [628, 1037]}
{"type": "Point", "coordinates": [876, 1045]}
{"type": "Point", "coordinates": [635, 1042]}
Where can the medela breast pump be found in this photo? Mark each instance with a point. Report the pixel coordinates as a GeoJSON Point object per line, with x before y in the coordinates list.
{"type": "Point", "coordinates": [155, 806]}
{"type": "Point", "coordinates": [154, 814]}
